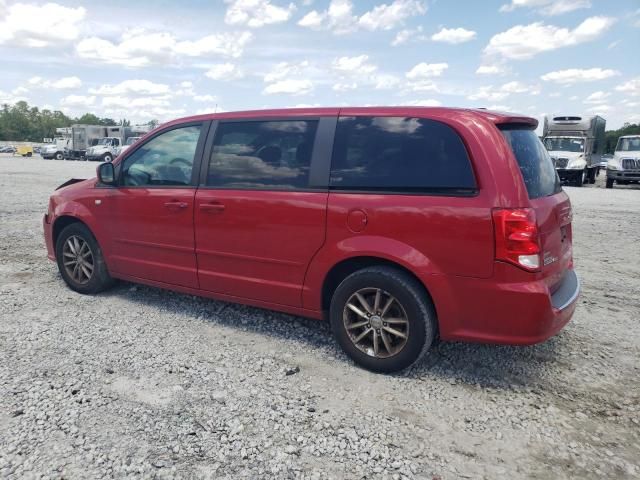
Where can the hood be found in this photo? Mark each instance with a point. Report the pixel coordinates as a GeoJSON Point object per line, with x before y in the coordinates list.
{"type": "Point", "coordinates": [74, 183]}
{"type": "Point", "coordinates": [620, 155]}
{"type": "Point", "coordinates": [563, 154]}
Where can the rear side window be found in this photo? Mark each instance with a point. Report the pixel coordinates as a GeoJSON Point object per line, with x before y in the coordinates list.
{"type": "Point", "coordinates": [399, 154]}
{"type": "Point", "coordinates": [262, 155]}
{"type": "Point", "coordinates": [539, 175]}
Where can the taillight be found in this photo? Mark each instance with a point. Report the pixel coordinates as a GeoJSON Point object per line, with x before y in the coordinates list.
{"type": "Point", "coordinates": [516, 234]}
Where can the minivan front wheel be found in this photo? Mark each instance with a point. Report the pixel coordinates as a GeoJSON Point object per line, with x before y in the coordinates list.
{"type": "Point", "coordinates": [80, 260]}
{"type": "Point", "coordinates": [382, 318]}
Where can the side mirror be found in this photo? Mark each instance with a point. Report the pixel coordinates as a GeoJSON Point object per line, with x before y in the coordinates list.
{"type": "Point", "coordinates": [106, 174]}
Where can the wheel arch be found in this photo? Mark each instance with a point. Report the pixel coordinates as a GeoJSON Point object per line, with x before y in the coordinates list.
{"type": "Point", "coordinates": [61, 223]}
{"type": "Point", "coordinates": [347, 266]}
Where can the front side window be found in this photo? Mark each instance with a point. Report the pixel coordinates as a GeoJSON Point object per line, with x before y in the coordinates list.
{"type": "Point", "coordinates": [262, 154]}
{"type": "Point", "coordinates": [400, 154]}
{"type": "Point", "coordinates": [166, 159]}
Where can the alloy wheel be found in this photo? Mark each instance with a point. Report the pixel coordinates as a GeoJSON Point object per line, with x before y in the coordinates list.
{"type": "Point", "coordinates": [78, 259]}
{"type": "Point", "coordinates": [376, 322]}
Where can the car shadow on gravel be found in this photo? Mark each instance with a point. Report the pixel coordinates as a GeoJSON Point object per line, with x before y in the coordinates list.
{"type": "Point", "coordinates": [493, 366]}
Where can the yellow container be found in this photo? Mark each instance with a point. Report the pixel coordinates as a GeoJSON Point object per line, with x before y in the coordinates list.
{"type": "Point", "coordinates": [24, 150]}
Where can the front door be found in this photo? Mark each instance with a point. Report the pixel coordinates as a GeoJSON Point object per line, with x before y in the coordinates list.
{"type": "Point", "coordinates": [258, 222]}
{"type": "Point", "coordinates": [150, 213]}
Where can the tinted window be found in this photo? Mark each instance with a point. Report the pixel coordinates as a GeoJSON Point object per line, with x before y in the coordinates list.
{"type": "Point", "coordinates": [270, 154]}
{"type": "Point", "coordinates": [539, 175]}
{"type": "Point", "coordinates": [164, 160]}
{"type": "Point", "coordinates": [397, 153]}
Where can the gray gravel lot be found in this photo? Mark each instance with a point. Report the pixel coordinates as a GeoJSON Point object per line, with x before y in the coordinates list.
{"type": "Point", "coordinates": [141, 382]}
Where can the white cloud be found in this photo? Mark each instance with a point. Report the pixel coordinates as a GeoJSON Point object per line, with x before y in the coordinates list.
{"type": "Point", "coordinates": [429, 102]}
{"type": "Point", "coordinates": [78, 101]}
{"type": "Point", "coordinates": [285, 69]}
{"type": "Point", "coordinates": [352, 65]}
{"type": "Point", "coordinates": [597, 97]}
{"type": "Point", "coordinates": [522, 42]}
{"type": "Point", "coordinates": [600, 109]}
{"type": "Point", "coordinates": [547, 7]}
{"type": "Point", "coordinates": [575, 75]}
{"type": "Point", "coordinates": [453, 35]}
{"type": "Point", "coordinates": [256, 13]}
{"type": "Point", "coordinates": [140, 48]}
{"type": "Point", "coordinates": [205, 98]}
{"type": "Point", "coordinates": [40, 26]}
{"type": "Point", "coordinates": [384, 81]}
{"type": "Point", "coordinates": [344, 86]}
{"type": "Point", "coordinates": [409, 36]}
{"type": "Point", "coordinates": [386, 17]}
{"type": "Point", "coordinates": [289, 87]}
{"type": "Point", "coordinates": [340, 19]}
{"type": "Point", "coordinates": [426, 70]}
{"type": "Point", "coordinates": [65, 83]}
{"type": "Point", "coordinates": [632, 87]}
{"type": "Point", "coordinates": [224, 71]}
{"type": "Point", "coordinates": [497, 94]}
{"type": "Point", "coordinates": [135, 87]}
{"type": "Point", "coordinates": [125, 102]}
{"type": "Point", "coordinates": [490, 70]}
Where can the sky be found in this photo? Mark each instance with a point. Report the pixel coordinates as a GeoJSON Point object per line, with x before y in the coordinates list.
{"type": "Point", "coordinates": [160, 59]}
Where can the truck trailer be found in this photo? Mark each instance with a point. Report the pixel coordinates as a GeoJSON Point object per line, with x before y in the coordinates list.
{"type": "Point", "coordinates": [575, 144]}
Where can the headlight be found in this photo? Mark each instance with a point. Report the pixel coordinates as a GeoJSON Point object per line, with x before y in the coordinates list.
{"type": "Point", "coordinates": [612, 166]}
{"type": "Point", "coordinates": [577, 162]}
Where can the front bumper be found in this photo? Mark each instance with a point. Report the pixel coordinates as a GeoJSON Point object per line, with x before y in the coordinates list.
{"type": "Point", "coordinates": [569, 173]}
{"type": "Point", "coordinates": [628, 175]}
{"type": "Point", "coordinates": [47, 226]}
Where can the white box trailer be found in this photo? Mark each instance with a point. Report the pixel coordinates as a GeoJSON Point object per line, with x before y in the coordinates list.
{"type": "Point", "coordinates": [575, 144]}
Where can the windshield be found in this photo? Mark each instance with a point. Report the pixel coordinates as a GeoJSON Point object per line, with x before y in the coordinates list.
{"type": "Point", "coordinates": [538, 173]}
{"type": "Point", "coordinates": [628, 145]}
{"type": "Point", "coordinates": [132, 140]}
{"type": "Point", "coordinates": [560, 144]}
{"type": "Point", "coordinates": [104, 141]}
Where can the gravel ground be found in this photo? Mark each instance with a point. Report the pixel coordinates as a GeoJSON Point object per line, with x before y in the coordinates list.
{"type": "Point", "coordinates": [141, 382]}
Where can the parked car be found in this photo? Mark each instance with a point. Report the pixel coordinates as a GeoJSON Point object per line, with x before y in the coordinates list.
{"type": "Point", "coordinates": [24, 150]}
{"type": "Point", "coordinates": [398, 225]}
{"type": "Point", "coordinates": [7, 149]}
{"type": "Point", "coordinates": [605, 158]}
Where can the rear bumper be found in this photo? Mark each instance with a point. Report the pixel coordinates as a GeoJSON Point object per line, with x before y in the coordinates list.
{"type": "Point", "coordinates": [511, 313]}
{"type": "Point", "coordinates": [48, 237]}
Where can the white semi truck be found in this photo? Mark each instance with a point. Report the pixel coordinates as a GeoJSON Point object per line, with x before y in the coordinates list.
{"type": "Point", "coordinates": [56, 147]}
{"type": "Point", "coordinates": [624, 167]}
{"type": "Point", "coordinates": [115, 139]}
{"type": "Point", "coordinates": [575, 144]}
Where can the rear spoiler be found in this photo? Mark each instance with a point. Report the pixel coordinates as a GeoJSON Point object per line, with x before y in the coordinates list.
{"type": "Point", "coordinates": [71, 182]}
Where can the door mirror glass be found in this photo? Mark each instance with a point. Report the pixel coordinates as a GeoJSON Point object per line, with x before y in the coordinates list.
{"type": "Point", "coordinates": [106, 174]}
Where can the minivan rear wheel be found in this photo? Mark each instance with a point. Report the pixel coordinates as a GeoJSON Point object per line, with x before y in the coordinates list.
{"type": "Point", "coordinates": [80, 260]}
{"type": "Point", "coordinates": [383, 319]}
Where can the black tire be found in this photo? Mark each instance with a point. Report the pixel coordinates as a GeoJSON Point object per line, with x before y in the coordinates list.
{"type": "Point", "coordinates": [592, 175]}
{"type": "Point", "coordinates": [609, 183]}
{"type": "Point", "coordinates": [107, 157]}
{"type": "Point", "coordinates": [411, 296]}
{"type": "Point", "coordinates": [579, 180]}
{"type": "Point", "coordinates": [29, 154]}
{"type": "Point", "coordinates": [99, 279]}
{"type": "Point", "coordinates": [59, 156]}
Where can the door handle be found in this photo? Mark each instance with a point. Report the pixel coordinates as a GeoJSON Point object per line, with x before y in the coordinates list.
{"type": "Point", "coordinates": [175, 204]}
{"type": "Point", "coordinates": [212, 207]}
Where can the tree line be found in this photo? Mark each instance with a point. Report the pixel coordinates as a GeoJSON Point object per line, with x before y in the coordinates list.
{"type": "Point", "coordinates": [20, 122]}
{"type": "Point", "coordinates": [23, 123]}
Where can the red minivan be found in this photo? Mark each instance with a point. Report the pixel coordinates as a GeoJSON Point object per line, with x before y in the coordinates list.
{"type": "Point", "coordinates": [397, 224]}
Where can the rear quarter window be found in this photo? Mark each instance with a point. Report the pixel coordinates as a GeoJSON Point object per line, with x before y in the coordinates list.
{"type": "Point", "coordinates": [400, 154]}
{"type": "Point", "coordinates": [539, 175]}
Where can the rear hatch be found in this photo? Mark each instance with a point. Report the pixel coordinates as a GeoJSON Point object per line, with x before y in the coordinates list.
{"type": "Point", "coordinates": [550, 203]}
